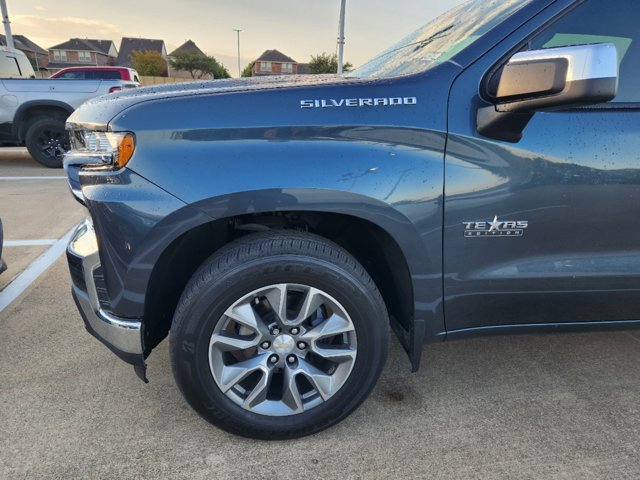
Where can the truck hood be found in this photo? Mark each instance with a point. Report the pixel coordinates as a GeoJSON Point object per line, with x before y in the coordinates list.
{"type": "Point", "coordinates": [99, 111]}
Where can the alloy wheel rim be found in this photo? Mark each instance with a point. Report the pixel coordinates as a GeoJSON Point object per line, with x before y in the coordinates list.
{"type": "Point", "coordinates": [53, 143]}
{"type": "Point", "coordinates": [283, 349]}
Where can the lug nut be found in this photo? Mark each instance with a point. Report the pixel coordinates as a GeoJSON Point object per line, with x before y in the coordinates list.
{"type": "Point", "coordinates": [291, 359]}
{"type": "Point", "coordinates": [265, 345]}
{"type": "Point", "coordinates": [273, 359]}
{"type": "Point", "coordinates": [275, 331]}
{"type": "Point", "coordinates": [302, 345]}
{"type": "Point", "coordinates": [295, 331]}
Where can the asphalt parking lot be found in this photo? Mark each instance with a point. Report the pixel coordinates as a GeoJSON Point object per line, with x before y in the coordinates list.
{"type": "Point", "coordinates": [544, 406]}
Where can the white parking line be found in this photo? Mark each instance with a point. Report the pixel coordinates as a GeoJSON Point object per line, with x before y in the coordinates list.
{"type": "Point", "coordinates": [28, 243]}
{"type": "Point", "coordinates": [44, 177]}
{"type": "Point", "coordinates": [33, 271]}
{"type": "Point", "coordinates": [11, 151]}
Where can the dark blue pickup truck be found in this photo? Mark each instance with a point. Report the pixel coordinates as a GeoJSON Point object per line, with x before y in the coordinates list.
{"type": "Point", "coordinates": [481, 176]}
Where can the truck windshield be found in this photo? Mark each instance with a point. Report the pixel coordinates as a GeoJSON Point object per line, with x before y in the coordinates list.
{"type": "Point", "coordinates": [440, 39]}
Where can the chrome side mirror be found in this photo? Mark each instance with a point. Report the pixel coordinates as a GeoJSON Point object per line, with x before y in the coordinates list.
{"type": "Point", "coordinates": [553, 78]}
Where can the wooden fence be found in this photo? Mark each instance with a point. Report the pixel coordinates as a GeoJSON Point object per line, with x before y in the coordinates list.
{"type": "Point", "coordinates": [160, 80]}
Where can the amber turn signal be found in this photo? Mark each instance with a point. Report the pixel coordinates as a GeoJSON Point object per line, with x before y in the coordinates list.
{"type": "Point", "coordinates": [125, 150]}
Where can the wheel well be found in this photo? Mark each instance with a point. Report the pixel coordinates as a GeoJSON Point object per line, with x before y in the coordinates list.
{"type": "Point", "coordinates": [374, 248]}
{"type": "Point", "coordinates": [32, 113]}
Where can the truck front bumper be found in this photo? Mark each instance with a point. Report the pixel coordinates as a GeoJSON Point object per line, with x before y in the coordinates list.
{"type": "Point", "coordinates": [122, 336]}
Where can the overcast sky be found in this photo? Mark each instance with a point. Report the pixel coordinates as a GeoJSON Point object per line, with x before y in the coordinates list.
{"type": "Point", "coordinates": [298, 28]}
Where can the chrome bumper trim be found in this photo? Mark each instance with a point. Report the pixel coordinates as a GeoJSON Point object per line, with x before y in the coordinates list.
{"type": "Point", "coordinates": [124, 335]}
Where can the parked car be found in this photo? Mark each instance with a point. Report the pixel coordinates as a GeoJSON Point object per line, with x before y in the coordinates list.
{"type": "Point", "coordinates": [34, 110]}
{"type": "Point", "coordinates": [470, 180]}
{"type": "Point", "coordinates": [14, 64]}
{"type": "Point", "coordinates": [98, 73]}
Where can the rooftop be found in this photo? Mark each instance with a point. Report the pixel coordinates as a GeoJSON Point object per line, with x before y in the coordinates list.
{"type": "Point", "coordinates": [128, 45]}
{"type": "Point", "coordinates": [187, 47]}
{"type": "Point", "coordinates": [88, 44]}
{"type": "Point", "coordinates": [24, 44]}
{"type": "Point", "coordinates": [274, 56]}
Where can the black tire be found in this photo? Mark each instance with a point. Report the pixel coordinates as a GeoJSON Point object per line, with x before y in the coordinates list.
{"type": "Point", "coordinates": [47, 141]}
{"type": "Point", "coordinates": [251, 263]}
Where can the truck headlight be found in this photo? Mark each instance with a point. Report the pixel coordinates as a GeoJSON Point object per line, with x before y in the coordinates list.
{"type": "Point", "coordinates": [107, 148]}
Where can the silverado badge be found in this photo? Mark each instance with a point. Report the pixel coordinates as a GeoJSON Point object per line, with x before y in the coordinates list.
{"type": "Point", "coordinates": [358, 102]}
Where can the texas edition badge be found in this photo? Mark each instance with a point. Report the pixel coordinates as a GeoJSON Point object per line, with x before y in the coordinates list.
{"type": "Point", "coordinates": [495, 228]}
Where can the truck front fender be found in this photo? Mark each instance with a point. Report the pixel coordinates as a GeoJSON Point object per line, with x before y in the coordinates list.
{"type": "Point", "coordinates": [138, 224]}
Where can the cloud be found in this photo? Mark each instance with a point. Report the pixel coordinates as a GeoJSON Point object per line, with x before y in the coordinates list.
{"type": "Point", "coordinates": [39, 8]}
{"type": "Point", "coordinates": [47, 31]}
{"type": "Point", "coordinates": [63, 22]}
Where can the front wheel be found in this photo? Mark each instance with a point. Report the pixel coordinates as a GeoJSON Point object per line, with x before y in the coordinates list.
{"type": "Point", "coordinates": [279, 335]}
{"type": "Point", "coordinates": [47, 141]}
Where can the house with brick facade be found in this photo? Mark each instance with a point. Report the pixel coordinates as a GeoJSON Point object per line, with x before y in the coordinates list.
{"type": "Point", "coordinates": [273, 62]}
{"type": "Point", "coordinates": [80, 52]}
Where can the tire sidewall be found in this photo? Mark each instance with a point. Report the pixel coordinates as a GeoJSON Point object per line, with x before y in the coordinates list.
{"type": "Point", "coordinates": [32, 144]}
{"type": "Point", "coordinates": [206, 308]}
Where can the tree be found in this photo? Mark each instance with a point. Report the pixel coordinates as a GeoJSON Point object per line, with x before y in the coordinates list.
{"type": "Point", "coordinates": [149, 63]}
{"type": "Point", "coordinates": [248, 70]}
{"type": "Point", "coordinates": [220, 71]}
{"type": "Point", "coordinates": [198, 65]}
{"type": "Point", "coordinates": [326, 63]}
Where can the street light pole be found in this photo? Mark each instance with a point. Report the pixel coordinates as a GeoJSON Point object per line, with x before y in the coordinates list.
{"type": "Point", "coordinates": [237, 30]}
{"type": "Point", "coordinates": [7, 24]}
{"type": "Point", "coordinates": [341, 37]}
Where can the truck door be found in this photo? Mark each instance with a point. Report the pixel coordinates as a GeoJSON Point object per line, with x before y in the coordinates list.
{"type": "Point", "coordinates": [547, 230]}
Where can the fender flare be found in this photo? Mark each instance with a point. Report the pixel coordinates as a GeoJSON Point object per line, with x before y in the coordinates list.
{"type": "Point", "coordinates": [17, 128]}
{"type": "Point", "coordinates": [383, 215]}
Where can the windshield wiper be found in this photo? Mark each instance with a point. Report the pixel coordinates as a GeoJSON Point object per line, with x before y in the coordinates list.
{"type": "Point", "coordinates": [423, 43]}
